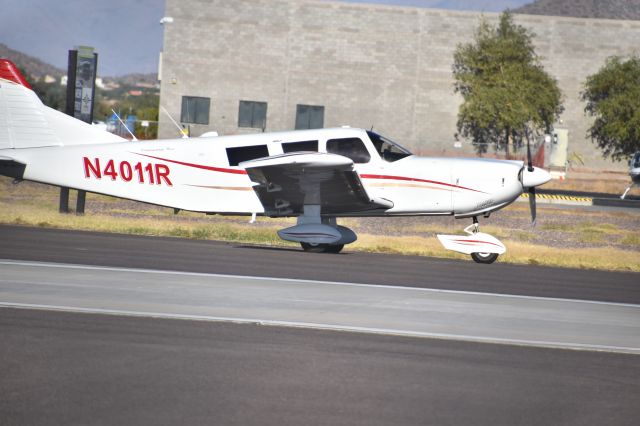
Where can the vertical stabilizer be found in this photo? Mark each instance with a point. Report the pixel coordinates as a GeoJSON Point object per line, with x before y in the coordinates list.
{"type": "Point", "coordinates": [25, 122]}
{"type": "Point", "coordinates": [9, 71]}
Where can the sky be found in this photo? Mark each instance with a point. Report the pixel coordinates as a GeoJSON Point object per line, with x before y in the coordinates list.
{"type": "Point", "coordinates": [126, 33]}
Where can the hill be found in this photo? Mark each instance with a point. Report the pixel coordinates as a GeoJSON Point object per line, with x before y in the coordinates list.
{"type": "Point", "coordinates": [31, 66]}
{"type": "Point", "coordinates": [36, 69]}
{"type": "Point", "coordinates": [601, 9]}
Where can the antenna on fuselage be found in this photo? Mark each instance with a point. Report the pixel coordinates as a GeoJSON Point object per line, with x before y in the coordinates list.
{"type": "Point", "coordinates": [133, 137]}
{"type": "Point", "coordinates": [180, 129]}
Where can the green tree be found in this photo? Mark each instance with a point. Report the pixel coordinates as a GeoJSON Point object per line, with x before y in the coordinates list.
{"type": "Point", "coordinates": [508, 98]}
{"type": "Point", "coordinates": [51, 94]}
{"type": "Point", "coordinates": [613, 98]}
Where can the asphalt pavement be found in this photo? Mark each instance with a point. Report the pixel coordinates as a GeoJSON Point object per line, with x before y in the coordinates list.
{"type": "Point", "coordinates": [66, 368]}
{"type": "Point", "coordinates": [92, 248]}
{"type": "Point", "coordinates": [60, 368]}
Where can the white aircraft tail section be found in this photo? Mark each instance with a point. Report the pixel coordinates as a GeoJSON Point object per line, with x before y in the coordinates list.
{"type": "Point", "coordinates": [25, 122]}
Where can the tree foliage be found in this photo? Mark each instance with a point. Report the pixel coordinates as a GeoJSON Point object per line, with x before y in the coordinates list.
{"type": "Point", "coordinates": [507, 95]}
{"type": "Point", "coordinates": [613, 98]}
{"type": "Point", "coordinates": [51, 94]}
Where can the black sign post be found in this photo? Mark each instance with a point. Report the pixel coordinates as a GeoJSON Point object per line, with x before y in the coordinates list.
{"type": "Point", "coordinates": [81, 90]}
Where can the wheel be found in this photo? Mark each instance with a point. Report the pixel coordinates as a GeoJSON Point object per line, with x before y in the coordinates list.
{"type": "Point", "coordinates": [336, 248]}
{"type": "Point", "coordinates": [322, 248]}
{"type": "Point", "coordinates": [484, 257]}
{"type": "Point", "coordinates": [313, 248]}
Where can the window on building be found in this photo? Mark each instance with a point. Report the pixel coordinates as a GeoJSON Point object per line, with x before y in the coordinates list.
{"type": "Point", "coordinates": [300, 146]}
{"type": "Point", "coordinates": [245, 153]}
{"type": "Point", "coordinates": [352, 148]}
{"type": "Point", "coordinates": [309, 117]}
{"type": "Point", "coordinates": [195, 110]}
{"type": "Point", "coordinates": [252, 114]}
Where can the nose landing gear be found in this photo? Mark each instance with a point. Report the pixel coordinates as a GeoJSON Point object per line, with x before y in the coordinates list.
{"type": "Point", "coordinates": [481, 257]}
{"type": "Point", "coordinates": [483, 248]}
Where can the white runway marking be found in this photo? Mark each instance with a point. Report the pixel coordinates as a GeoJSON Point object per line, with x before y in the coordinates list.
{"type": "Point", "coordinates": [407, 311]}
{"type": "Point", "coordinates": [250, 277]}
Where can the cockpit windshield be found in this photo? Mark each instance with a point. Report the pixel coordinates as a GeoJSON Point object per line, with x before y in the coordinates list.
{"type": "Point", "coordinates": [388, 150]}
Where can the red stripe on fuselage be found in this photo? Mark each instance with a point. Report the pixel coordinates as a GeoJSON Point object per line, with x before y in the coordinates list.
{"type": "Point", "coordinates": [410, 179]}
{"type": "Point", "coordinates": [198, 166]}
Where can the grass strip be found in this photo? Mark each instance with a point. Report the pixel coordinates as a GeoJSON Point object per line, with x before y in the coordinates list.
{"type": "Point", "coordinates": [233, 230]}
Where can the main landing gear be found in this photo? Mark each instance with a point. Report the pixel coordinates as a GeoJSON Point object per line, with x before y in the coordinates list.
{"type": "Point", "coordinates": [318, 234]}
{"type": "Point", "coordinates": [483, 248]}
{"type": "Point", "coordinates": [322, 248]}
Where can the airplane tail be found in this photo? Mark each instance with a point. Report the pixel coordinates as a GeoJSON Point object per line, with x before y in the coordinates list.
{"type": "Point", "coordinates": [25, 122]}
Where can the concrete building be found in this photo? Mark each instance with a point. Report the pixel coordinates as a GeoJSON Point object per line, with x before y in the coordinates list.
{"type": "Point", "coordinates": [247, 65]}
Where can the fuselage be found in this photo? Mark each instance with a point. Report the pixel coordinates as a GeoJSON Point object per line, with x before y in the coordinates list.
{"type": "Point", "coordinates": [204, 175]}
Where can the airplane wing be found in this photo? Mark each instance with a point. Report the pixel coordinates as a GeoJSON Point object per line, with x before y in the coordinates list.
{"type": "Point", "coordinates": [285, 183]}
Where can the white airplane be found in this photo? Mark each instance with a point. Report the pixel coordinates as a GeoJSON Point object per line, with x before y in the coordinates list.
{"type": "Point", "coordinates": [634, 173]}
{"type": "Point", "coordinates": [314, 175]}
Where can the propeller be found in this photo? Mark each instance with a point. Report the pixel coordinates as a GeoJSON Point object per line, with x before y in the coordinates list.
{"type": "Point", "coordinates": [532, 189]}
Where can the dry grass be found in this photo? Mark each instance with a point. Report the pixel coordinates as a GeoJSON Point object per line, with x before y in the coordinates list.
{"type": "Point", "coordinates": [518, 252]}
{"type": "Point", "coordinates": [222, 229]}
{"type": "Point", "coordinates": [36, 205]}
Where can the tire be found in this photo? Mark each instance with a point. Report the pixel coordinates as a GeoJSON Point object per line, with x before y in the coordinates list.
{"type": "Point", "coordinates": [485, 258]}
{"type": "Point", "coordinates": [322, 248]}
{"type": "Point", "coordinates": [336, 248]}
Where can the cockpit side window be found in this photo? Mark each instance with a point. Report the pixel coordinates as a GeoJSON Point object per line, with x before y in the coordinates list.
{"type": "Point", "coordinates": [388, 150]}
{"type": "Point", "coordinates": [352, 148]}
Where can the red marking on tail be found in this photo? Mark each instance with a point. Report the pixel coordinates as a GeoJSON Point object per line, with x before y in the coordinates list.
{"type": "Point", "coordinates": [9, 71]}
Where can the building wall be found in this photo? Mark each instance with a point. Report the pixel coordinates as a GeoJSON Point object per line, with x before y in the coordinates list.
{"type": "Point", "coordinates": [375, 66]}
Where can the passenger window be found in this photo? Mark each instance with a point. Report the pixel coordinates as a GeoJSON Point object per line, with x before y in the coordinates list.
{"type": "Point", "coordinates": [300, 146]}
{"type": "Point", "coordinates": [352, 148]}
{"type": "Point", "coordinates": [245, 153]}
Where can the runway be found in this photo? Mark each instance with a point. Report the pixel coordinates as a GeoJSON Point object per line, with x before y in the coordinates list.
{"type": "Point", "coordinates": [522, 320]}
{"type": "Point", "coordinates": [65, 368]}
{"type": "Point", "coordinates": [128, 251]}
{"type": "Point", "coordinates": [113, 329]}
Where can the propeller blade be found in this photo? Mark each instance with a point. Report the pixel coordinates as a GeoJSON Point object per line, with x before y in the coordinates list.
{"type": "Point", "coordinates": [532, 204]}
{"type": "Point", "coordinates": [529, 160]}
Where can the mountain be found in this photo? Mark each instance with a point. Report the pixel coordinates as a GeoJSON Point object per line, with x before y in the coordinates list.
{"type": "Point", "coordinates": [479, 5]}
{"type": "Point", "coordinates": [602, 9]}
{"type": "Point", "coordinates": [31, 66]}
{"type": "Point", "coordinates": [34, 68]}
